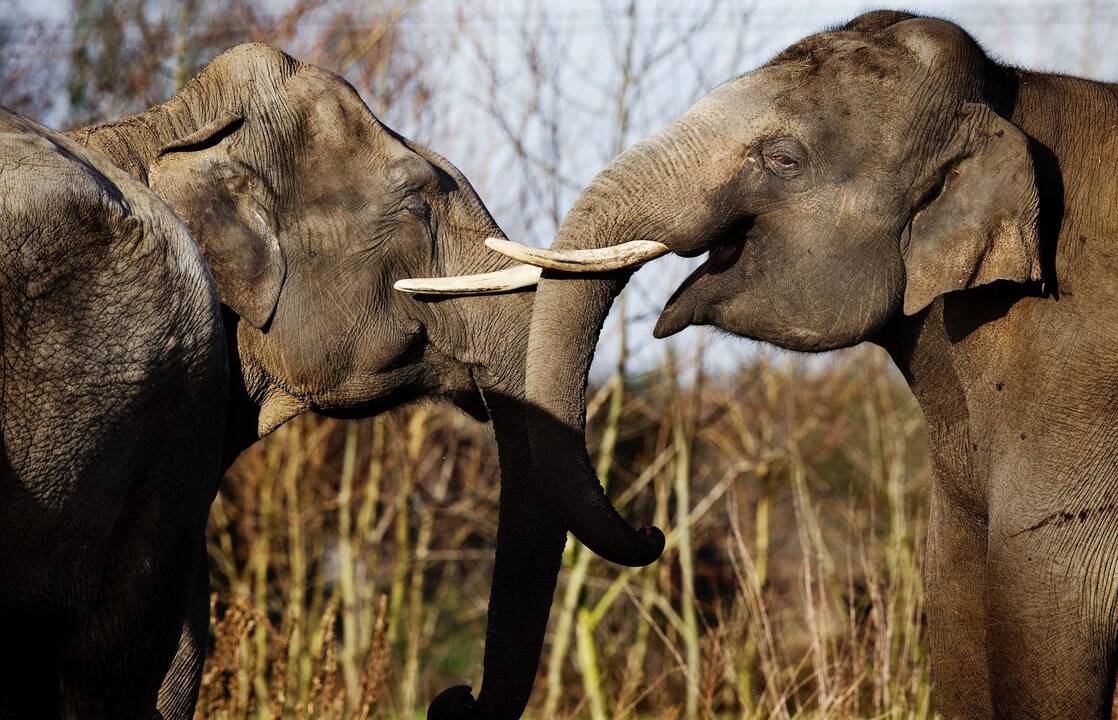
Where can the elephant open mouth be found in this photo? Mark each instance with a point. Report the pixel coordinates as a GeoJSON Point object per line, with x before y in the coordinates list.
{"type": "Point", "coordinates": [679, 312]}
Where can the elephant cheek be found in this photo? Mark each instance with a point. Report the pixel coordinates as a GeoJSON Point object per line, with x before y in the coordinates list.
{"type": "Point", "coordinates": [297, 351]}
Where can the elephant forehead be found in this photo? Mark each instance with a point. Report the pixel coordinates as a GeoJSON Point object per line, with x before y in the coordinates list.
{"type": "Point", "coordinates": [856, 55]}
{"type": "Point", "coordinates": [744, 109]}
{"type": "Point", "coordinates": [862, 97]}
{"type": "Point", "coordinates": [793, 100]}
{"type": "Point", "coordinates": [330, 96]}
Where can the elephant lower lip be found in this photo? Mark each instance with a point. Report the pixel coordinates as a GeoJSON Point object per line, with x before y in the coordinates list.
{"type": "Point", "coordinates": [670, 322]}
{"type": "Point", "coordinates": [680, 309]}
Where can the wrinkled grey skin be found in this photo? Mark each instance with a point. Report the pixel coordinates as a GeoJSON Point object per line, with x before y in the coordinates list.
{"type": "Point", "coordinates": [108, 326]}
{"type": "Point", "coordinates": [307, 209]}
{"type": "Point", "coordinates": [888, 182]}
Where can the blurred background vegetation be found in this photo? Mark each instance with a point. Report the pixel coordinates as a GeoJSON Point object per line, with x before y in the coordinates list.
{"type": "Point", "coordinates": [351, 561]}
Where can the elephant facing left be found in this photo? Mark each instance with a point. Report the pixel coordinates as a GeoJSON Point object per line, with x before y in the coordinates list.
{"type": "Point", "coordinates": [307, 211]}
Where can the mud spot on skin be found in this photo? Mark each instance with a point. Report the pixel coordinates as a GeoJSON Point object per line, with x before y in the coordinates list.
{"type": "Point", "coordinates": [999, 386]}
{"type": "Point", "coordinates": [1062, 518]}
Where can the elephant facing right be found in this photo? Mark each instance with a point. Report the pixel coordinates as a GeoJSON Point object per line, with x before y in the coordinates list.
{"type": "Point", "coordinates": [176, 284]}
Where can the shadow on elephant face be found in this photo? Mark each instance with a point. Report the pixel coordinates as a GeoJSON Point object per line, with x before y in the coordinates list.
{"type": "Point", "coordinates": [308, 208]}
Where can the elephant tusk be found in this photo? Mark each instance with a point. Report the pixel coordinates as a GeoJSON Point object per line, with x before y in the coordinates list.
{"type": "Point", "coordinates": [490, 283]}
{"type": "Point", "coordinates": [607, 259]}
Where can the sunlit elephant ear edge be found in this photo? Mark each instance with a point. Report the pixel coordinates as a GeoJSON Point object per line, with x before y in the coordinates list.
{"type": "Point", "coordinates": [982, 225]}
{"type": "Point", "coordinates": [214, 197]}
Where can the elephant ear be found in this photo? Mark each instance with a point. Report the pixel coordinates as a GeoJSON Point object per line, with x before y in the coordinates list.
{"type": "Point", "coordinates": [221, 201]}
{"type": "Point", "coordinates": [982, 226]}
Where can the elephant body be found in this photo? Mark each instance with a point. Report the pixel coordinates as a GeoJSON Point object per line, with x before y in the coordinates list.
{"type": "Point", "coordinates": [888, 182]}
{"type": "Point", "coordinates": [109, 327]}
{"type": "Point", "coordinates": [175, 285]}
{"type": "Point", "coordinates": [307, 210]}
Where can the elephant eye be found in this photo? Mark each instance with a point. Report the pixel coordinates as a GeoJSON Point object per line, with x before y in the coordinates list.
{"type": "Point", "coordinates": [783, 157]}
{"type": "Point", "coordinates": [414, 204]}
{"type": "Point", "coordinates": [784, 162]}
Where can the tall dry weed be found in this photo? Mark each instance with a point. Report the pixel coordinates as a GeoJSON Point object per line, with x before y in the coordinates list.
{"type": "Point", "coordinates": [351, 561]}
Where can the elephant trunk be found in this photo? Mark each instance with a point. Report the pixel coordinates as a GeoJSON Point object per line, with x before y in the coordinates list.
{"type": "Point", "coordinates": [530, 538]}
{"type": "Point", "coordinates": [530, 542]}
{"type": "Point", "coordinates": [635, 198]}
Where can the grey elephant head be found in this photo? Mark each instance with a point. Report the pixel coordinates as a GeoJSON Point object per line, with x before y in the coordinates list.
{"type": "Point", "coordinates": [309, 210]}
{"type": "Point", "coordinates": [856, 177]}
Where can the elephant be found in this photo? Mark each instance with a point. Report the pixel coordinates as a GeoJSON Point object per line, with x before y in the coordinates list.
{"type": "Point", "coordinates": [889, 182]}
{"type": "Point", "coordinates": [106, 468]}
{"type": "Point", "coordinates": [303, 212]}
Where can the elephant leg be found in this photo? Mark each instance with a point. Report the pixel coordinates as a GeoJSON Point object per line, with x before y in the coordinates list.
{"type": "Point", "coordinates": [29, 682]}
{"type": "Point", "coordinates": [112, 668]}
{"type": "Point", "coordinates": [955, 581]}
{"type": "Point", "coordinates": [179, 692]}
{"type": "Point", "coordinates": [1050, 607]}
{"type": "Point", "coordinates": [122, 644]}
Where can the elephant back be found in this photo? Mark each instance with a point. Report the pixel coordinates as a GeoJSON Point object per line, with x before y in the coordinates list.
{"type": "Point", "coordinates": [111, 346]}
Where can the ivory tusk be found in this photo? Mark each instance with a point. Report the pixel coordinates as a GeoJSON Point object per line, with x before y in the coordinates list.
{"type": "Point", "coordinates": [617, 257]}
{"type": "Point", "coordinates": [490, 283]}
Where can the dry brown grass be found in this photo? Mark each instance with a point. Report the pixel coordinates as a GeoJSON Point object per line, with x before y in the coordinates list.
{"type": "Point", "coordinates": [351, 562]}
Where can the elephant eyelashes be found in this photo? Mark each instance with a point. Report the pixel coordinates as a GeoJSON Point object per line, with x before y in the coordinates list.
{"type": "Point", "coordinates": [782, 161]}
